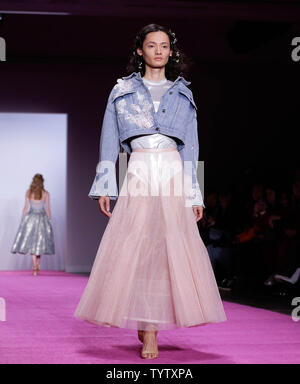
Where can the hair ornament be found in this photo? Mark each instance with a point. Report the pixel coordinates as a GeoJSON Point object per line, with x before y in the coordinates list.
{"type": "Point", "coordinates": [173, 37]}
{"type": "Point", "coordinates": [177, 54]}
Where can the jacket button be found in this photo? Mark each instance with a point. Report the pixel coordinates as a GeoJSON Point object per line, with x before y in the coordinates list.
{"type": "Point", "coordinates": [163, 110]}
{"type": "Point", "coordinates": [157, 129]}
{"type": "Point", "coordinates": [171, 92]}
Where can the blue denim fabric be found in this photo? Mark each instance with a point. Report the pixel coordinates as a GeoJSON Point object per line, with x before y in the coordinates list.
{"type": "Point", "coordinates": [130, 112]}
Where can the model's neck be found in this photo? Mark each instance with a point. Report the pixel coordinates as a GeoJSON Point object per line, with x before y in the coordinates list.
{"type": "Point", "coordinates": [155, 74]}
{"type": "Point", "coordinates": [163, 81]}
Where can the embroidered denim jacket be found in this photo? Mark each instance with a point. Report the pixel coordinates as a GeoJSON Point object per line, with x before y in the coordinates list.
{"type": "Point", "coordinates": [130, 112]}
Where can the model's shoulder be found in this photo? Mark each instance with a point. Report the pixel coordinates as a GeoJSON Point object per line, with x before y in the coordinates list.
{"type": "Point", "coordinates": [122, 82]}
{"type": "Point", "coordinates": [187, 92]}
{"type": "Point", "coordinates": [183, 88]}
{"type": "Point", "coordinates": [123, 85]}
{"type": "Point", "coordinates": [184, 84]}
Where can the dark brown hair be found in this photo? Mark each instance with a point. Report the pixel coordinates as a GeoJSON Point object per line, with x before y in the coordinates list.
{"type": "Point", "coordinates": [178, 64]}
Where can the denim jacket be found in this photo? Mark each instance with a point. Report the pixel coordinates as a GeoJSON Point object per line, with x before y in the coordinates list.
{"type": "Point", "coordinates": [130, 112]}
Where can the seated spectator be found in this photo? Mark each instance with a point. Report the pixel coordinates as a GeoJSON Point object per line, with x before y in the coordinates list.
{"type": "Point", "coordinates": [246, 210]}
{"type": "Point", "coordinates": [272, 200]}
{"type": "Point", "coordinates": [249, 246]}
{"type": "Point", "coordinates": [211, 201]}
{"type": "Point", "coordinates": [226, 216]}
{"type": "Point", "coordinates": [257, 225]}
{"type": "Point", "coordinates": [287, 225]}
{"type": "Point", "coordinates": [218, 244]}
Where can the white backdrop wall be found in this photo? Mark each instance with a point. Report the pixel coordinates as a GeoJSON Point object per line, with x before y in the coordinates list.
{"type": "Point", "coordinates": [32, 143]}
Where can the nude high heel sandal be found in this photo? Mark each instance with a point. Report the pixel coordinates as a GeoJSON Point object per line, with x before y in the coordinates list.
{"type": "Point", "coordinates": [141, 336]}
{"type": "Point", "coordinates": [146, 354]}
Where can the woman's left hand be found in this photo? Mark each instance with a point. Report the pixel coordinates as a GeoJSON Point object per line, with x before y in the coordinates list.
{"type": "Point", "coordinates": [198, 212]}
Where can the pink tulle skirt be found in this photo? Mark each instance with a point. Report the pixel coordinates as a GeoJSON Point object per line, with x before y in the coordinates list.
{"type": "Point", "coordinates": [152, 269]}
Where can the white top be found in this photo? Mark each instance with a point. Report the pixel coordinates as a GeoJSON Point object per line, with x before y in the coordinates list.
{"type": "Point", "coordinates": [155, 140]}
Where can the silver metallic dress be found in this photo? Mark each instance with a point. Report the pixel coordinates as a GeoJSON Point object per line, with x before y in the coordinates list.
{"type": "Point", "coordinates": [35, 234]}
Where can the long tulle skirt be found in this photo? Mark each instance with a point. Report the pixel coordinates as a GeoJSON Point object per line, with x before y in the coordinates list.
{"type": "Point", "coordinates": [152, 270]}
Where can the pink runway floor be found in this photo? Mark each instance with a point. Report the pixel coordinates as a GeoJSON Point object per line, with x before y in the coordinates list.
{"type": "Point", "coordinates": [40, 328]}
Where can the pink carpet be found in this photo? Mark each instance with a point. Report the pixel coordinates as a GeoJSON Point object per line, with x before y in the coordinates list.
{"type": "Point", "coordinates": [40, 328]}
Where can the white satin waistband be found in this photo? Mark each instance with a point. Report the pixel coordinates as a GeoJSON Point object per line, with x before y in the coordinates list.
{"type": "Point", "coordinates": [153, 149]}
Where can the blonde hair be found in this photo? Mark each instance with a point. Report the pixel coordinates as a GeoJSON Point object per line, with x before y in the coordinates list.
{"type": "Point", "coordinates": [36, 187]}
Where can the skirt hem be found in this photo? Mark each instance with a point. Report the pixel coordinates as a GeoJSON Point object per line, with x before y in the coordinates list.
{"type": "Point", "coordinates": [173, 327]}
{"type": "Point", "coordinates": [27, 253]}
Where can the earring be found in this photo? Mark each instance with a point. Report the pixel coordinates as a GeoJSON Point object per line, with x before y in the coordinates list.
{"type": "Point", "coordinates": [140, 66]}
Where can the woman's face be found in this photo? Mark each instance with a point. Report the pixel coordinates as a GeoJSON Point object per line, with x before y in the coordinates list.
{"type": "Point", "coordinates": [156, 49]}
{"type": "Point", "coordinates": [257, 192]}
{"type": "Point", "coordinates": [270, 195]}
{"type": "Point", "coordinates": [284, 199]}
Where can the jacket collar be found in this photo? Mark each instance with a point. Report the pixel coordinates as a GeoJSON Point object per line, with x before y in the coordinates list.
{"type": "Point", "coordinates": [137, 76]}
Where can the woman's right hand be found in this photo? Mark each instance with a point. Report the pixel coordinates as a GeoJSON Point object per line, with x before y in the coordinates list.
{"type": "Point", "coordinates": [104, 204]}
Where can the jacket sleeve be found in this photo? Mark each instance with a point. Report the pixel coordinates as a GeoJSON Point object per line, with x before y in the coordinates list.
{"type": "Point", "coordinates": [189, 155]}
{"type": "Point", "coordinates": [105, 183]}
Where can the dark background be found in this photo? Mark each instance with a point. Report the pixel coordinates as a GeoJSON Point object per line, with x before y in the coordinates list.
{"type": "Point", "coordinates": [244, 81]}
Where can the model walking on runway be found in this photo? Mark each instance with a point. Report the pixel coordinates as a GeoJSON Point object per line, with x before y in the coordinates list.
{"type": "Point", "coordinates": [152, 271]}
{"type": "Point", "coordinates": [35, 234]}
